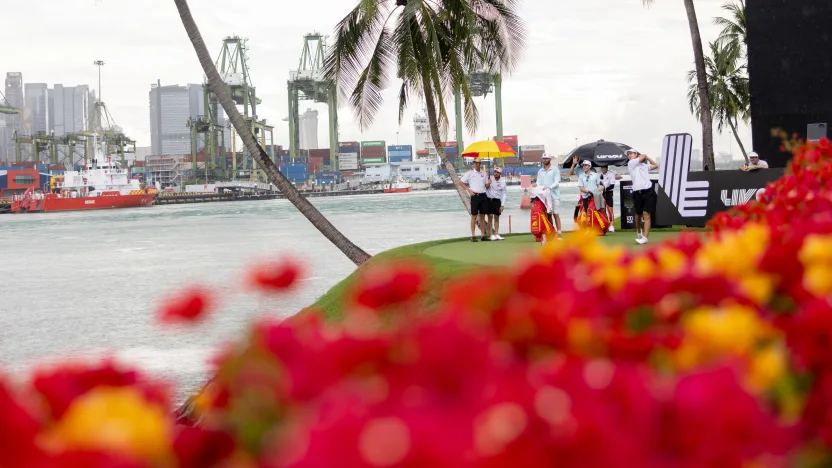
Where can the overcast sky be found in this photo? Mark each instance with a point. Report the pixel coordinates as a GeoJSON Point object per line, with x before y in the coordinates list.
{"type": "Point", "coordinates": [592, 69]}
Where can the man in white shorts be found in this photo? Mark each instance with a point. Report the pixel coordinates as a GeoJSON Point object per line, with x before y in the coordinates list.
{"type": "Point", "coordinates": [548, 179]}
{"type": "Point", "coordinates": [644, 196]}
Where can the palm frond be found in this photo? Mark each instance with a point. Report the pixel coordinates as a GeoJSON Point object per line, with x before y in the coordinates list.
{"type": "Point", "coordinates": [366, 98]}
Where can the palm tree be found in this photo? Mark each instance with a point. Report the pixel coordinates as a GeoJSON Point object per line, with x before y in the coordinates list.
{"type": "Point", "coordinates": [734, 29]}
{"type": "Point", "coordinates": [727, 88]}
{"type": "Point", "coordinates": [219, 88]}
{"type": "Point", "coordinates": [706, 118]}
{"type": "Point", "coordinates": [433, 45]}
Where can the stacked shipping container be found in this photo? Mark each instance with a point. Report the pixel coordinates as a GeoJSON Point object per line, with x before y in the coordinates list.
{"type": "Point", "coordinates": [348, 155]}
{"type": "Point", "coordinates": [400, 153]}
{"type": "Point", "coordinates": [372, 152]}
{"type": "Point", "coordinates": [531, 154]}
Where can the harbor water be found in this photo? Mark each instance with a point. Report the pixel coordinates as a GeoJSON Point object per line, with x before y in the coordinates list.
{"type": "Point", "coordinates": [88, 284]}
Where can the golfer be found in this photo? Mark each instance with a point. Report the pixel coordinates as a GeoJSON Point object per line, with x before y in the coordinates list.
{"type": "Point", "coordinates": [476, 183]}
{"type": "Point", "coordinates": [588, 182]}
{"type": "Point", "coordinates": [644, 197]}
{"type": "Point", "coordinates": [548, 178]}
{"type": "Point", "coordinates": [497, 193]}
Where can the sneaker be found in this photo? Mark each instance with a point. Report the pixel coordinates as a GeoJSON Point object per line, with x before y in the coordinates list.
{"type": "Point", "coordinates": [612, 228]}
{"type": "Point", "coordinates": [642, 240]}
{"type": "Point", "coordinates": [638, 236]}
{"type": "Point", "coordinates": [493, 238]}
{"type": "Point", "coordinates": [485, 239]}
{"type": "Point", "coordinates": [473, 239]}
{"type": "Point", "coordinates": [499, 237]}
{"type": "Point", "coordinates": [560, 236]}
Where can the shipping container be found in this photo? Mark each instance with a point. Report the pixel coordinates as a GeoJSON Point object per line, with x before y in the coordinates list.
{"type": "Point", "coordinates": [348, 161]}
{"type": "Point", "coordinates": [510, 140]}
{"type": "Point", "coordinates": [451, 150]}
{"type": "Point", "coordinates": [372, 143]}
{"type": "Point", "coordinates": [372, 154]}
{"type": "Point", "coordinates": [394, 159]}
{"type": "Point", "coordinates": [349, 144]}
{"type": "Point", "coordinates": [511, 161]}
{"type": "Point", "coordinates": [319, 152]}
{"type": "Point", "coordinates": [373, 160]}
{"type": "Point", "coordinates": [533, 148]}
{"type": "Point", "coordinates": [138, 164]}
{"type": "Point", "coordinates": [407, 148]}
{"type": "Point", "coordinates": [532, 156]}
{"type": "Point", "coordinates": [449, 144]}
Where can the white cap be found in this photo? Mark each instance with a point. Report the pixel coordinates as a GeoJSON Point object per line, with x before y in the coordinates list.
{"type": "Point", "coordinates": [546, 156]}
{"type": "Point", "coordinates": [498, 169]}
{"type": "Point", "coordinates": [632, 150]}
{"type": "Point", "coordinates": [753, 154]}
{"type": "Point", "coordinates": [586, 163]}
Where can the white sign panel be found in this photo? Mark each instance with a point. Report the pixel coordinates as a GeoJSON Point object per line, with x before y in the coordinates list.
{"type": "Point", "coordinates": [533, 148]}
{"type": "Point", "coordinates": [348, 161]}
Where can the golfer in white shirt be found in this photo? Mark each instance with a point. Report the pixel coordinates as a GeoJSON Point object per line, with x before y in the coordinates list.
{"type": "Point", "coordinates": [644, 197]}
{"type": "Point", "coordinates": [476, 183]}
{"type": "Point", "coordinates": [497, 193]}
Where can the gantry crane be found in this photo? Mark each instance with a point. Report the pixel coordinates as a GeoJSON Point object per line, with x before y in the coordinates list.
{"type": "Point", "coordinates": [6, 108]}
{"type": "Point", "coordinates": [307, 83]}
{"type": "Point", "coordinates": [480, 82]}
{"type": "Point", "coordinates": [232, 64]}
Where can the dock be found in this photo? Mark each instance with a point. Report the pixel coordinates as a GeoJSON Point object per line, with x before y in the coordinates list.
{"type": "Point", "coordinates": [209, 197]}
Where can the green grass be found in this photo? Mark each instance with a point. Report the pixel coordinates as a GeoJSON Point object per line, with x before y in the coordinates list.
{"type": "Point", "coordinates": [450, 257]}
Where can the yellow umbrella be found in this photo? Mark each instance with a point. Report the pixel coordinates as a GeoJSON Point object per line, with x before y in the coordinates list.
{"type": "Point", "coordinates": [488, 149]}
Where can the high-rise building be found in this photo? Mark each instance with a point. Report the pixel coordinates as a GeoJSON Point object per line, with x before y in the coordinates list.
{"type": "Point", "coordinates": [70, 108]}
{"type": "Point", "coordinates": [309, 130]}
{"type": "Point", "coordinates": [37, 105]}
{"type": "Point", "coordinates": [14, 122]}
{"type": "Point", "coordinates": [170, 108]}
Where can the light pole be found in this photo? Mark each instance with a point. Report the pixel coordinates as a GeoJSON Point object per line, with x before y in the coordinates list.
{"type": "Point", "coordinates": [397, 138]}
{"type": "Point", "coordinates": [99, 64]}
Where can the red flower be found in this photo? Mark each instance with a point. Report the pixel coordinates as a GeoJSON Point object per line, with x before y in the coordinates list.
{"type": "Point", "coordinates": [18, 430]}
{"type": "Point", "coordinates": [196, 447]}
{"type": "Point", "coordinates": [61, 386]}
{"type": "Point", "coordinates": [188, 306]}
{"type": "Point", "coordinates": [276, 276]}
{"type": "Point", "coordinates": [389, 285]}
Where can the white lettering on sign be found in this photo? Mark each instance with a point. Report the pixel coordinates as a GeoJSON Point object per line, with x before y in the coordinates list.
{"type": "Point", "coordinates": [738, 197]}
{"type": "Point", "coordinates": [89, 202]}
{"type": "Point", "coordinates": [609, 156]}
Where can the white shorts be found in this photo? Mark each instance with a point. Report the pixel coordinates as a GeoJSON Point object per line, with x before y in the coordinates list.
{"type": "Point", "coordinates": [555, 205]}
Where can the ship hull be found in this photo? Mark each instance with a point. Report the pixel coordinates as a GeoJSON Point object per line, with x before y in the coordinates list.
{"type": "Point", "coordinates": [397, 190]}
{"type": "Point", "coordinates": [51, 204]}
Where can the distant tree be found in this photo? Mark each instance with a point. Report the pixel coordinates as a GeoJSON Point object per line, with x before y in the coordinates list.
{"type": "Point", "coordinates": [706, 118]}
{"type": "Point", "coordinates": [220, 89]}
{"type": "Point", "coordinates": [431, 46]}
{"type": "Point", "coordinates": [727, 88]}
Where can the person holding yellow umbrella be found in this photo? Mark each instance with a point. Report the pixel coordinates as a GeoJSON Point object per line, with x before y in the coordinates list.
{"type": "Point", "coordinates": [480, 150]}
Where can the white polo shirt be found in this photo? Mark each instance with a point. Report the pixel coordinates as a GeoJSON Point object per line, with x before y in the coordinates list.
{"type": "Point", "coordinates": [760, 164]}
{"type": "Point", "coordinates": [640, 172]}
{"type": "Point", "coordinates": [475, 181]}
{"type": "Point", "coordinates": [498, 190]}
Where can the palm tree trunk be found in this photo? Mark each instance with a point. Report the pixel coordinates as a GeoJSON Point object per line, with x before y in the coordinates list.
{"type": "Point", "coordinates": [702, 83]}
{"type": "Point", "coordinates": [218, 87]}
{"type": "Point", "coordinates": [433, 122]}
{"type": "Point", "coordinates": [739, 142]}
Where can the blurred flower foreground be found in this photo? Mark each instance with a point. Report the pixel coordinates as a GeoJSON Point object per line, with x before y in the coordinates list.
{"type": "Point", "coordinates": [709, 350]}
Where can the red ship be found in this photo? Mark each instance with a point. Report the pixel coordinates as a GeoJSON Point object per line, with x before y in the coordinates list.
{"type": "Point", "coordinates": [102, 185]}
{"type": "Point", "coordinates": [399, 186]}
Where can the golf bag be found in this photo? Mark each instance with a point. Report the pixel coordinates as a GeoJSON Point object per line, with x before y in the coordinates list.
{"type": "Point", "coordinates": [593, 219]}
{"type": "Point", "coordinates": [541, 227]}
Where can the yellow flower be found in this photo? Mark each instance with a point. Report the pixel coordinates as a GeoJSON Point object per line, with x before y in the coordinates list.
{"type": "Point", "coordinates": [737, 256]}
{"type": "Point", "coordinates": [711, 333]}
{"type": "Point", "coordinates": [642, 268]}
{"type": "Point", "coordinates": [818, 279]}
{"type": "Point", "coordinates": [613, 276]}
{"type": "Point", "coordinates": [116, 420]}
{"type": "Point", "coordinates": [768, 365]}
{"type": "Point", "coordinates": [816, 249]}
{"type": "Point", "coordinates": [671, 261]}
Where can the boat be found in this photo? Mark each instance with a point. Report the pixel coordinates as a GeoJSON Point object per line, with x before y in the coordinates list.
{"type": "Point", "coordinates": [103, 184]}
{"type": "Point", "coordinates": [399, 186]}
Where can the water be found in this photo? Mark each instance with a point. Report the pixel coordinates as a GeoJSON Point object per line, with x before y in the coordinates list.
{"type": "Point", "coordinates": [89, 283]}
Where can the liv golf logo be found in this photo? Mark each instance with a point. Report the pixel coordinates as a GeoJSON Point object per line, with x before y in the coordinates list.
{"type": "Point", "coordinates": [689, 197]}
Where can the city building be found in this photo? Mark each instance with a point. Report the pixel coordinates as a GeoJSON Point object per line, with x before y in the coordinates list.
{"type": "Point", "coordinates": [36, 104]}
{"type": "Point", "coordinates": [309, 130]}
{"type": "Point", "coordinates": [9, 123]}
{"type": "Point", "coordinates": [70, 109]}
{"type": "Point", "coordinates": [171, 107]}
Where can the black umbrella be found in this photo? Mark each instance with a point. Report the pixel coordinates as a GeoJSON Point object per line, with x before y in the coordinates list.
{"type": "Point", "coordinates": [600, 153]}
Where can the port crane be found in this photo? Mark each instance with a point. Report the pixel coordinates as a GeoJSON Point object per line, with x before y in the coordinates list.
{"type": "Point", "coordinates": [233, 67]}
{"type": "Point", "coordinates": [6, 108]}
{"type": "Point", "coordinates": [307, 83]}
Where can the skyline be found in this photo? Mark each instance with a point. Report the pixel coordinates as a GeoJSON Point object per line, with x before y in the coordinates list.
{"type": "Point", "coordinates": [592, 78]}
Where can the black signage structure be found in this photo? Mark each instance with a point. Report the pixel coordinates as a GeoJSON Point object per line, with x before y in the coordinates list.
{"type": "Point", "coordinates": [693, 198]}
{"type": "Point", "coordinates": [628, 211]}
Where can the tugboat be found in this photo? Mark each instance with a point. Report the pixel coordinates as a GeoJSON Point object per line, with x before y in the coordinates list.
{"type": "Point", "coordinates": [103, 184]}
{"type": "Point", "coordinates": [399, 186]}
